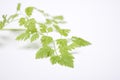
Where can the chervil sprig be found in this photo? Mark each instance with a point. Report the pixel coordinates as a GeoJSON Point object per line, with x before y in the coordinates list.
{"type": "Point", "coordinates": [57, 50]}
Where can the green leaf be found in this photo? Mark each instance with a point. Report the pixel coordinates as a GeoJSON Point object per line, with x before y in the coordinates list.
{"type": "Point", "coordinates": [41, 11]}
{"type": "Point", "coordinates": [55, 59]}
{"type": "Point", "coordinates": [80, 42]}
{"type": "Point", "coordinates": [22, 21]}
{"type": "Point", "coordinates": [67, 60]}
{"type": "Point", "coordinates": [44, 52]}
{"type": "Point", "coordinates": [62, 22]}
{"type": "Point", "coordinates": [58, 22]}
{"type": "Point", "coordinates": [62, 45]}
{"type": "Point", "coordinates": [23, 36]}
{"type": "Point", "coordinates": [48, 21]}
{"type": "Point", "coordinates": [58, 17]}
{"type": "Point", "coordinates": [63, 32]}
{"type": "Point", "coordinates": [73, 45]}
{"type": "Point", "coordinates": [34, 37]}
{"type": "Point", "coordinates": [29, 11]}
{"type": "Point", "coordinates": [18, 6]}
{"type": "Point", "coordinates": [31, 25]}
{"type": "Point", "coordinates": [46, 40]}
{"type": "Point", "coordinates": [56, 27]}
{"type": "Point", "coordinates": [43, 28]}
{"type": "Point", "coordinates": [50, 29]}
{"type": "Point", "coordinates": [1, 25]}
{"type": "Point", "coordinates": [61, 41]}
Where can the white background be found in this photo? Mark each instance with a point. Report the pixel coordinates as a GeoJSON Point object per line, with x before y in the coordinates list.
{"type": "Point", "coordinates": [97, 21]}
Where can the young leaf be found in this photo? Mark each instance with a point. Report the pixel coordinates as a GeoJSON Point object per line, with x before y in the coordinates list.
{"type": "Point", "coordinates": [18, 6]}
{"type": "Point", "coordinates": [23, 36]}
{"type": "Point", "coordinates": [46, 40]}
{"type": "Point", "coordinates": [58, 17]}
{"type": "Point", "coordinates": [44, 52]}
{"type": "Point", "coordinates": [29, 11]}
{"type": "Point", "coordinates": [50, 29]}
{"type": "Point", "coordinates": [22, 21]}
{"type": "Point", "coordinates": [34, 37]}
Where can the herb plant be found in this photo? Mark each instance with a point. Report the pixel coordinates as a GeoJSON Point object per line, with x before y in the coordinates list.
{"type": "Point", "coordinates": [57, 50]}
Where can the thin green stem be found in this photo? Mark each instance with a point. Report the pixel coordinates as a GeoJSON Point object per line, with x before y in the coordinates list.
{"type": "Point", "coordinates": [54, 44]}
